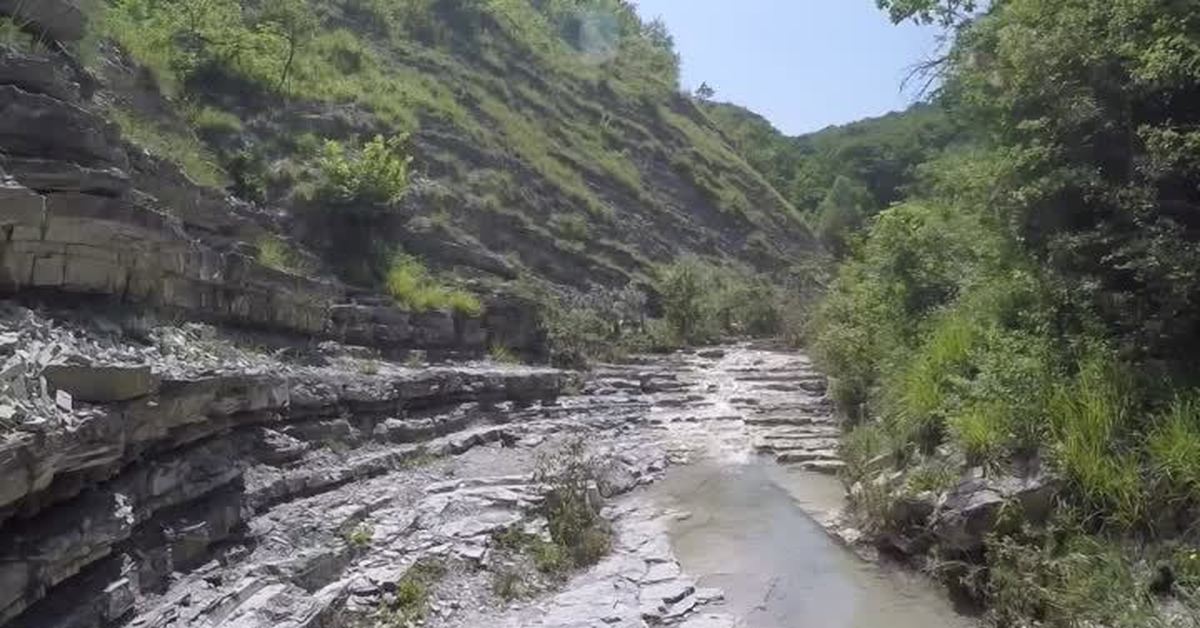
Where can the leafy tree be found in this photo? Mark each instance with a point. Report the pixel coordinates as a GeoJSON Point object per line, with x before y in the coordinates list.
{"type": "Point", "coordinates": [705, 92]}
{"type": "Point", "coordinates": [942, 12]}
{"type": "Point", "coordinates": [842, 212]}
{"type": "Point", "coordinates": [1093, 104]}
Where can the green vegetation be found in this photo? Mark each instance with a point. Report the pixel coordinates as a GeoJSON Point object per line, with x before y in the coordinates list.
{"type": "Point", "coordinates": [878, 156]}
{"type": "Point", "coordinates": [360, 536]}
{"type": "Point", "coordinates": [410, 603]}
{"type": "Point", "coordinates": [374, 176]}
{"type": "Point", "coordinates": [166, 142]}
{"type": "Point", "coordinates": [275, 252]}
{"type": "Point", "coordinates": [581, 537]}
{"type": "Point", "coordinates": [1033, 299]}
{"type": "Point", "coordinates": [534, 126]}
{"type": "Point", "coordinates": [411, 285]}
{"type": "Point", "coordinates": [700, 302]}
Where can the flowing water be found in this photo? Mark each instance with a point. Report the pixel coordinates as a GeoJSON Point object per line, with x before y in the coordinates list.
{"type": "Point", "coordinates": [746, 523]}
{"type": "Point", "coordinates": [749, 535]}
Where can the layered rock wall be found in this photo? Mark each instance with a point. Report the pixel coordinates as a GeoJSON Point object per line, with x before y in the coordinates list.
{"type": "Point", "coordinates": [73, 221]}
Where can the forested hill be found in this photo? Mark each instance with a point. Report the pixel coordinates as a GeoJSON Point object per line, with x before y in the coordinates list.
{"type": "Point", "coordinates": [542, 139]}
{"type": "Point", "coordinates": [1016, 340]}
{"type": "Point", "coordinates": [839, 176]}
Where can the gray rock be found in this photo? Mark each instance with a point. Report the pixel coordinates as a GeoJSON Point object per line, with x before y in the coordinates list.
{"type": "Point", "coordinates": [36, 74]}
{"type": "Point", "coordinates": [48, 175]}
{"type": "Point", "coordinates": [37, 125]}
{"type": "Point", "coordinates": [62, 20]}
{"type": "Point", "coordinates": [101, 384]}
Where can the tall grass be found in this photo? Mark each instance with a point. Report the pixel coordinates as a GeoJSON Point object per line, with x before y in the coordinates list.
{"type": "Point", "coordinates": [1091, 418]}
{"type": "Point", "coordinates": [179, 147]}
{"type": "Point", "coordinates": [412, 286]}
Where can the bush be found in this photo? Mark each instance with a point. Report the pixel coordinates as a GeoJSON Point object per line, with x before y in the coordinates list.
{"type": "Point", "coordinates": [375, 175]}
{"type": "Point", "coordinates": [1173, 450]}
{"type": "Point", "coordinates": [411, 285]}
{"type": "Point", "coordinates": [360, 536]}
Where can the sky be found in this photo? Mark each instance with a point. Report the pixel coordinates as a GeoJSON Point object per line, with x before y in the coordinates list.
{"type": "Point", "coordinates": [803, 64]}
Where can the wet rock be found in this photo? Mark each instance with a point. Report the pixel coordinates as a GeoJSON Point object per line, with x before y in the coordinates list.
{"type": "Point", "coordinates": [712, 354]}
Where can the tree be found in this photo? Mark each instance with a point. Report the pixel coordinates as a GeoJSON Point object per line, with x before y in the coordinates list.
{"type": "Point", "coordinates": [843, 211]}
{"type": "Point", "coordinates": [946, 13]}
{"type": "Point", "coordinates": [297, 24]}
{"type": "Point", "coordinates": [705, 92]}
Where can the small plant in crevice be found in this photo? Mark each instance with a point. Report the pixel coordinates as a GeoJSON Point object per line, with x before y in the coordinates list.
{"type": "Point", "coordinates": [503, 354]}
{"type": "Point", "coordinates": [359, 536]}
{"type": "Point", "coordinates": [571, 505]}
{"type": "Point", "coordinates": [410, 603]}
{"type": "Point", "coordinates": [509, 584]}
{"type": "Point", "coordinates": [275, 252]}
{"type": "Point", "coordinates": [411, 284]}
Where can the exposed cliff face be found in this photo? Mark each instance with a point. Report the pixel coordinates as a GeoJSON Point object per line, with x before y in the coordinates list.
{"type": "Point", "coordinates": [124, 462]}
{"type": "Point", "coordinates": [86, 213]}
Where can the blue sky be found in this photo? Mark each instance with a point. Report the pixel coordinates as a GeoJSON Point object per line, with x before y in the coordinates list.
{"type": "Point", "coordinates": [804, 64]}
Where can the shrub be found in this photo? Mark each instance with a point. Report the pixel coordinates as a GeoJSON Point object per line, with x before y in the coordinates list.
{"type": "Point", "coordinates": [1173, 449]}
{"type": "Point", "coordinates": [375, 174]}
{"type": "Point", "coordinates": [1091, 419]}
{"type": "Point", "coordinates": [681, 286]}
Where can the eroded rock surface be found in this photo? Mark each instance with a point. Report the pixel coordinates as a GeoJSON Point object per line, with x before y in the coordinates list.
{"type": "Point", "coordinates": [264, 488]}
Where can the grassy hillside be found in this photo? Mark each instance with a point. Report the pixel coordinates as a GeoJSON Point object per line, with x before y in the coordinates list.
{"type": "Point", "coordinates": [547, 137]}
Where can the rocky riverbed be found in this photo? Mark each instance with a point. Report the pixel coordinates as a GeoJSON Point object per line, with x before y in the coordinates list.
{"type": "Point", "coordinates": [161, 475]}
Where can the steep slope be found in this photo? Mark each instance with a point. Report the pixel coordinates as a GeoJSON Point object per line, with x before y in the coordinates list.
{"type": "Point", "coordinates": [547, 138]}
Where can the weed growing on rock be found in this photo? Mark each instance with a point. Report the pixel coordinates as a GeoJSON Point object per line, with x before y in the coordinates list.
{"type": "Point", "coordinates": [571, 505]}
{"type": "Point", "coordinates": [508, 584]}
{"type": "Point", "coordinates": [503, 354]}
{"type": "Point", "coordinates": [411, 285]}
{"type": "Point", "coordinates": [276, 253]}
{"type": "Point", "coordinates": [410, 604]}
{"type": "Point", "coordinates": [360, 536]}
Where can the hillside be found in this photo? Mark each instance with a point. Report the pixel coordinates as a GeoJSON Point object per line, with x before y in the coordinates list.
{"type": "Point", "coordinates": [547, 140]}
{"type": "Point", "coordinates": [254, 260]}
